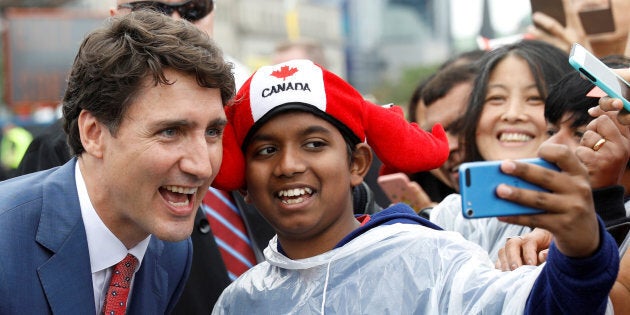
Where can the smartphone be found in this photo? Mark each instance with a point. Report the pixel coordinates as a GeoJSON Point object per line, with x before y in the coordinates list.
{"type": "Point", "coordinates": [398, 188]}
{"type": "Point", "coordinates": [478, 182]}
{"type": "Point", "coordinates": [597, 20]}
{"type": "Point", "coordinates": [597, 72]}
{"type": "Point", "coordinates": [552, 8]}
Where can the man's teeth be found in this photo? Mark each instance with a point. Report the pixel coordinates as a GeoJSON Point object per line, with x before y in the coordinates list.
{"type": "Point", "coordinates": [181, 190]}
{"type": "Point", "coordinates": [180, 204]}
{"type": "Point", "coordinates": [515, 137]}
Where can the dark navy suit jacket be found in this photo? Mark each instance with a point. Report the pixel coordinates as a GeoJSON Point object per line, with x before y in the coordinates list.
{"type": "Point", "coordinates": [44, 258]}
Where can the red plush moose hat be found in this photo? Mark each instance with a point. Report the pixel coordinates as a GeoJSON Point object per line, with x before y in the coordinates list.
{"type": "Point", "coordinates": [301, 84]}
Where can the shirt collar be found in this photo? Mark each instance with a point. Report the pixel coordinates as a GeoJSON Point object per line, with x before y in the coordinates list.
{"type": "Point", "coordinates": [104, 247]}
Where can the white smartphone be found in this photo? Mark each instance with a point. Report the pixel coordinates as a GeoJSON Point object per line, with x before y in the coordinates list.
{"type": "Point", "coordinates": [597, 72]}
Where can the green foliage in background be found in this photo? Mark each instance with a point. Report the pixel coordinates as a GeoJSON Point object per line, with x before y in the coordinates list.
{"type": "Point", "coordinates": [400, 92]}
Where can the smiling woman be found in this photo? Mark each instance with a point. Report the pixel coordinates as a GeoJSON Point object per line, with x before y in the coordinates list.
{"type": "Point", "coordinates": [504, 120]}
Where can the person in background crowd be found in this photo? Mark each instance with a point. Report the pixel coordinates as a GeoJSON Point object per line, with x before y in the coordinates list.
{"type": "Point", "coordinates": [109, 231]}
{"type": "Point", "coordinates": [504, 120]}
{"type": "Point", "coordinates": [605, 44]}
{"type": "Point", "coordinates": [441, 98]}
{"type": "Point", "coordinates": [299, 49]}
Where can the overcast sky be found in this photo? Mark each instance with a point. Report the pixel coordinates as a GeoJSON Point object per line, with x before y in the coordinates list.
{"type": "Point", "coordinates": [506, 15]}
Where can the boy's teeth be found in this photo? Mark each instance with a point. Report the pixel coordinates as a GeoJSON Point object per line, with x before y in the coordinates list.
{"type": "Point", "coordinates": [295, 192]}
{"type": "Point", "coordinates": [292, 201]}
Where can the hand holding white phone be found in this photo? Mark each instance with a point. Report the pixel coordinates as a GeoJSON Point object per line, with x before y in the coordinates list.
{"type": "Point", "coordinates": [597, 72]}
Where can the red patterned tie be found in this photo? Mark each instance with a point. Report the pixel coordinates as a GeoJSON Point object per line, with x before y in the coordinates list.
{"type": "Point", "coordinates": [229, 232]}
{"type": "Point", "coordinates": [116, 298]}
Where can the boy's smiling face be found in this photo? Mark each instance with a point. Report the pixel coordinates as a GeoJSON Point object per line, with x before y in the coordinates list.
{"type": "Point", "coordinates": [299, 176]}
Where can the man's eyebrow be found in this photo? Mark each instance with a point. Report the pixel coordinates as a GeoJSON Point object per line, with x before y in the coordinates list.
{"type": "Point", "coordinates": [218, 122]}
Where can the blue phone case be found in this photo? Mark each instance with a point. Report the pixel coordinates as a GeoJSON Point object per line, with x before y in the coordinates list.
{"type": "Point", "coordinates": [599, 74]}
{"type": "Point", "coordinates": [478, 182]}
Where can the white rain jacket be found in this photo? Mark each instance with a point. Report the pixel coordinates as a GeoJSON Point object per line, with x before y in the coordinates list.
{"type": "Point", "coordinates": [489, 233]}
{"type": "Point", "coordinates": [389, 269]}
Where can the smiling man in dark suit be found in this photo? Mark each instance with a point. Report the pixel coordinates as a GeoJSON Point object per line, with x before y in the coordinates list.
{"type": "Point", "coordinates": [143, 111]}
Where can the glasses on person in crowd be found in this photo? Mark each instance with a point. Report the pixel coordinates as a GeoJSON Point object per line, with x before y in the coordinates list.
{"type": "Point", "coordinates": [191, 10]}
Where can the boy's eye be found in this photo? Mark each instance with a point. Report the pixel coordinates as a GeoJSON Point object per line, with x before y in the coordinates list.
{"type": "Point", "coordinates": [266, 151]}
{"type": "Point", "coordinates": [551, 132]}
{"type": "Point", "coordinates": [315, 144]}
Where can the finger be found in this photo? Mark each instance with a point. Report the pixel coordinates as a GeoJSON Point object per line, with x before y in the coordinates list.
{"type": "Point", "coordinates": [608, 104]}
{"type": "Point", "coordinates": [530, 252]}
{"type": "Point", "coordinates": [501, 263]}
{"type": "Point", "coordinates": [513, 252]}
{"type": "Point", "coordinates": [596, 111]}
{"type": "Point", "coordinates": [547, 178]}
{"type": "Point", "coordinates": [542, 256]}
{"type": "Point", "coordinates": [563, 157]}
{"type": "Point", "coordinates": [590, 138]}
{"type": "Point", "coordinates": [548, 24]}
{"type": "Point", "coordinates": [609, 128]}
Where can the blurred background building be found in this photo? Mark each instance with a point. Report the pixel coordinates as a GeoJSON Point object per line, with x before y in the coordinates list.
{"type": "Point", "coordinates": [382, 47]}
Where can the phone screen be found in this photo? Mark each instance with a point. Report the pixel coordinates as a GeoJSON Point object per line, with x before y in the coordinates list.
{"type": "Point", "coordinates": [598, 73]}
{"type": "Point", "coordinates": [597, 21]}
{"type": "Point", "coordinates": [552, 8]}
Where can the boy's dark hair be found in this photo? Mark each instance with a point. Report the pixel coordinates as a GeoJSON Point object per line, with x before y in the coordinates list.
{"type": "Point", "coordinates": [117, 61]}
{"type": "Point", "coordinates": [568, 96]}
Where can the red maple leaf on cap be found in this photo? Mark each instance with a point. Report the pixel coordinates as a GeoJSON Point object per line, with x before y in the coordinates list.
{"type": "Point", "coordinates": [284, 72]}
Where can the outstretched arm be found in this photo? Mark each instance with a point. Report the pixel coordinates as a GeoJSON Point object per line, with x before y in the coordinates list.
{"type": "Point", "coordinates": [583, 261]}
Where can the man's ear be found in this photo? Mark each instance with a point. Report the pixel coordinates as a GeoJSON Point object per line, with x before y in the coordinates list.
{"type": "Point", "coordinates": [91, 132]}
{"type": "Point", "coordinates": [360, 163]}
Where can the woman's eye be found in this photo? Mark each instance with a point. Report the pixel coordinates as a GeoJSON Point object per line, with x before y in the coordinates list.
{"type": "Point", "coordinates": [551, 132]}
{"type": "Point", "coordinates": [537, 100]}
{"type": "Point", "coordinates": [495, 99]}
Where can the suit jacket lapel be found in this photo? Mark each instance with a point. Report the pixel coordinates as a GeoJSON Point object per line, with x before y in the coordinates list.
{"type": "Point", "coordinates": [66, 277]}
{"type": "Point", "coordinates": [150, 283]}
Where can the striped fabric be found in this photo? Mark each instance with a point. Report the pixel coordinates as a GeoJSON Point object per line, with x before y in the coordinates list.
{"type": "Point", "coordinates": [229, 232]}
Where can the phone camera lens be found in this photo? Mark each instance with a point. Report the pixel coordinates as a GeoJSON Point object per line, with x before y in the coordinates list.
{"type": "Point", "coordinates": [470, 212]}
